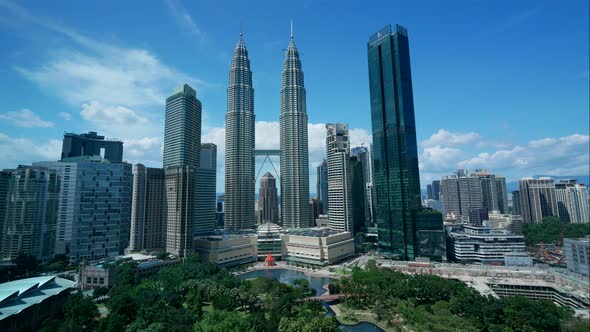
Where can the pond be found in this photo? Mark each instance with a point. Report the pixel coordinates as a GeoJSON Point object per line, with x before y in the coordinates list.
{"type": "Point", "coordinates": [289, 276]}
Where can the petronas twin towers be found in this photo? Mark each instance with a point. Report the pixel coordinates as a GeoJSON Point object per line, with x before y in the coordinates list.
{"type": "Point", "coordinates": [240, 146]}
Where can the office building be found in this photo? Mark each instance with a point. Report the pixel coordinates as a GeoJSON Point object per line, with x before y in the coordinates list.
{"type": "Point", "coordinates": [182, 128]}
{"type": "Point", "coordinates": [537, 199]}
{"type": "Point", "coordinates": [572, 201]}
{"type": "Point", "coordinates": [4, 181]}
{"type": "Point", "coordinates": [484, 245]}
{"type": "Point", "coordinates": [516, 203]}
{"type": "Point", "coordinates": [502, 194]}
{"type": "Point", "coordinates": [148, 209]}
{"type": "Point", "coordinates": [561, 197]}
{"type": "Point", "coordinates": [293, 141]}
{"type": "Point", "coordinates": [268, 202]}
{"type": "Point", "coordinates": [95, 201]}
{"type": "Point", "coordinates": [30, 219]}
{"type": "Point", "coordinates": [430, 235]}
{"type": "Point", "coordinates": [358, 195]}
{"type": "Point", "coordinates": [205, 191]}
{"type": "Point", "coordinates": [488, 188]}
{"type": "Point", "coordinates": [91, 144]}
{"type": "Point", "coordinates": [322, 185]}
{"type": "Point", "coordinates": [395, 175]}
{"type": "Point", "coordinates": [435, 190]}
{"type": "Point", "coordinates": [577, 255]}
{"type": "Point", "coordinates": [219, 210]}
{"type": "Point", "coordinates": [361, 187]}
{"type": "Point", "coordinates": [470, 195]}
{"type": "Point", "coordinates": [315, 210]}
{"type": "Point", "coordinates": [339, 177]}
{"type": "Point", "coordinates": [449, 194]}
{"type": "Point", "coordinates": [182, 154]}
{"type": "Point", "coordinates": [239, 143]}
{"type": "Point", "coordinates": [477, 216]}
{"type": "Point", "coordinates": [316, 246]}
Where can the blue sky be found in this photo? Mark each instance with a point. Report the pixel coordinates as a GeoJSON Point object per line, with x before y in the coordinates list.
{"type": "Point", "coordinates": [501, 85]}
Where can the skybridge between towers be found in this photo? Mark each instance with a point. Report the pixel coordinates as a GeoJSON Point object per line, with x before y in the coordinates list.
{"type": "Point", "coordinates": [267, 154]}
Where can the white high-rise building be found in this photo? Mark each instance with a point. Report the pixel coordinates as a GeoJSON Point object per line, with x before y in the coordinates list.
{"type": "Point", "coordinates": [537, 199]}
{"type": "Point", "coordinates": [182, 154]}
{"type": "Point", "coordinates": [239, 143]}
{"type": "Point", "coordinates": [294, 149]}
{"type": "Point", "coordinates": [148, 211]}
{"type": "Point", "coordinates": [339, 178]}
{"type": "Point", "coordinates": [471, 195]}
{"type": "Point", "coordinates": [31, 213]}
{"type": "Point", "coordinates": [572, 201]}
{"type": "Point", "coordinates": [449, 194]}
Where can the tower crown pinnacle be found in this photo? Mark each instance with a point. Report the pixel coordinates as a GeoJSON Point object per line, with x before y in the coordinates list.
{"type": "Point", "coordinates": [291, 29]}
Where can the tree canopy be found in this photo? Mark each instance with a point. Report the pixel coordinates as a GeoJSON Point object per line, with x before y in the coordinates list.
{"type": "Point", "coordinates": [195, 296]}
{"type": "Point", "coordinates": [431, 303]}
{"type": "Point", "coordinates": [549, 231]}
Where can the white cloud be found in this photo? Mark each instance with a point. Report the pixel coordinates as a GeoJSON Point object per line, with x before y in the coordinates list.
{"type": "Point", "coordinates": [121, 90]}
{"type": "Point", "coordinates": [111, 75]}
{"type": "Point", "coordinates": [98, 113]}
{"type": "Point", "coordinates": [21, 151]}
{"type": "Point", "coordinates": [65, 115]}
{"type": "Point", "coordinates": [360, 137]}
{"type": "Point", "coordinates": [565, 155]}
{"type": "Point", "coordinates": [438, 157]}
{"type": "Point", "coordinates": [184, 19]}
{"type": "Point", "coordinates": [25, 118]}
{"type": "Point", "coordinates": [447, 138]}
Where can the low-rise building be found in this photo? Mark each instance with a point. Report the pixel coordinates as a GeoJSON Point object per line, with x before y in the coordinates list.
{"type": "Point", "coordinates": [482, 244]}
{"type": "Point", "coordinates": [517, 259]}
{"type": "Point", "coordinates": [316, 246]}
{"type": "Point", "coordinates": [99, 275]}
{"type": "Point", "coordinates": [103, 273]}
{"type": "Point", "coordinates": [25, 303]}
{"type": "Point", "coordinates": [577, 255]}
{"type": "Point", "coordinates": [227, 248]}
{"type": "Point", "coordinates": [153, 266]}
{"type": "Point", "coordinates": [509, 222]}
{"type": "Point", "coordinates": [322, 220]}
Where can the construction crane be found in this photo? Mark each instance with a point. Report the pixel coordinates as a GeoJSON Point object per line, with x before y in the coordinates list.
{"type": "Point", "coordinates": [560, 244]}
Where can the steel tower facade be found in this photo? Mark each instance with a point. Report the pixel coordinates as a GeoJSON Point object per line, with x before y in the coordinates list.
{"type": "Point", "coordinates": [239, 143]}
{"type": "Point", "coordinates": [294, 149]}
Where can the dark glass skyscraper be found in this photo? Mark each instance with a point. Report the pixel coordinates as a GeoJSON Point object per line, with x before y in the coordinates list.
{"type": "Point", "coordinates": [322, 185]}
{"type": "Point", "coordinates": [396, 178]}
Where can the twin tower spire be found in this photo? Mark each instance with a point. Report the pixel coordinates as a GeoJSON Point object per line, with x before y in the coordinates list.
{"type": "Point", "coordinates": [240, 143]}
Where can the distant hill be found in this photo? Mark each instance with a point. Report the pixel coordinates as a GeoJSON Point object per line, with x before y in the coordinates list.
{"type": "Point", "coordinates": [583, 179]}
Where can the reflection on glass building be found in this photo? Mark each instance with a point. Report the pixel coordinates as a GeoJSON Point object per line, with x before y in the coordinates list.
{"type": "Point", "coordinates": [395, 155]}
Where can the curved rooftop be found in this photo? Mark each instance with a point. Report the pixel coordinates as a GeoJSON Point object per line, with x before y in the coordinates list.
{"type": "Point", "coordinates": [18, 295]}
{"type": "Point", "coordinates": [269, 227]}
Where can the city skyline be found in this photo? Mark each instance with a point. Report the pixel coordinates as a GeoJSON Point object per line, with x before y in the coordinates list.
{"type": "Point", "coordinates": [447, 137]}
